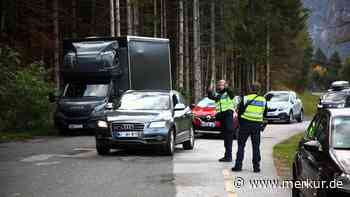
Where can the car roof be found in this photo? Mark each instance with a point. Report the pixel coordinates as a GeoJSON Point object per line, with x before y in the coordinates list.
{"type": "Point", "coordinates": [339, 111]}
{"type": "Point", "coordinates": [280, 91]}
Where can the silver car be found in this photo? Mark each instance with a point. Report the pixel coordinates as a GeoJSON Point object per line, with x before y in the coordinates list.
{"type": "Point", "coordinates": [284, 106]}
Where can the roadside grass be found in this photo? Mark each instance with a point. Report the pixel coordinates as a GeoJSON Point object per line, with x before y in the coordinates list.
{"type": "Point", "coordinates": [283, 154]}
{"type": "Point", "coordinates": [310, 103]}
{"type": "Point", "coordinates": [20, 135]}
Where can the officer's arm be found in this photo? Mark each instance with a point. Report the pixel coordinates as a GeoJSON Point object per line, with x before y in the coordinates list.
{"type": "Point", "coordinates": [211, 95]}
{"type": "Point", "coordinates": [230, 93]}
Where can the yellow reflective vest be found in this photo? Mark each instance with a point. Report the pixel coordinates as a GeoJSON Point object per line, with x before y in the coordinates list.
{"type": "Point", "coordinates": [224, 103]}
{"type": "Point", "coordinates": [255, 110]}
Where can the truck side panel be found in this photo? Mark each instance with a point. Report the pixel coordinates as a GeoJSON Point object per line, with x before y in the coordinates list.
{"type": "Point", "coordinates": [150, 65]}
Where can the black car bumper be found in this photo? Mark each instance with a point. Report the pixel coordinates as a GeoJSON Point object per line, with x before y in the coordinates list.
{"type": "Point", "coordinates": [74, 123]}
{"type": "Point", "coordinates": [146, 138]}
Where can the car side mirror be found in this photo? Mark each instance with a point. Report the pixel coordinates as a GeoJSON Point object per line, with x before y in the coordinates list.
{"type": "Point", "coordinates": [109, 106]}
{"type": "Point", "coordinates": [179, 107]}
{"type": "Point", "coordinates": [313, 146]}
{"type": "Point", "coordinates": [52, 97]}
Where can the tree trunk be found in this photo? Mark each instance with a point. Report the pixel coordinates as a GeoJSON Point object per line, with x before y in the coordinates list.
{"type": "Point", "coordinates": [3, 17]}
{"type": "Point", "coordinates": [197, 52]}
{"type": "Point", "coordinates": [112, 23]}
{"type": "Point", "coordinates": [212, 43]}
{"type": "Point", "coordinates": [136, 17]}
{"type": "Point", "coordinates": [74, 18]}
{"type": "Point", "coordinates": [165, 19]}
{"type": "Point", "coordinates": [161, 18]}
{"type": "Point", "coordinates": [93, 17]}
{"type": "Point", "coordinates": [268, 56]}
{"type": "Point", "coordinates": [155, 19]}
{"type": "Point", "coordinates": [117, 16]}
{"type": "Point", "coordinates": [187, 47]}
{"type": "Point", "coordinates": [129, 17]}
{"type": "Point", "coordinates": [56, 43]}
{"type": "Point", "coordinates": [181, 45]}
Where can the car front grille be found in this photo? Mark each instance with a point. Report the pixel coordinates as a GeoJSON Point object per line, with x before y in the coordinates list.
{"type": "Point", "coordinates": [271, 110]}
{"type": "Point", "coordinates": [134, 127]}
{"type": "Point", "coordinates": [207, 118]}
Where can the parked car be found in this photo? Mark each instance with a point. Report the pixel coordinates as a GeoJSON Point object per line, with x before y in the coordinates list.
{"type": "Point", "coordinates": [339, 85]}
{"type": "Point", "coordinates": [204, 117]}
{"type": "Point", "coordinates": [324, 153]}
{"type": "Point", "coordinates": [284, 106]}
{"type": "Point", "coordinates": [335, 99]}
{"type": "Point", "coordinates": [145, 117]}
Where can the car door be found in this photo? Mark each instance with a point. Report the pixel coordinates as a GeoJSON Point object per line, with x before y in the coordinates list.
{"type": "Point", "coordinates": [179, 119]}
{"type": "Point", "coordinates": [305, 157]}
{"type": "Point", "coordinates": [314, 160]}
{"type": "Point", "coordinates": [187, 118]}
{"type": "Point", "coordinates": [294, 103]}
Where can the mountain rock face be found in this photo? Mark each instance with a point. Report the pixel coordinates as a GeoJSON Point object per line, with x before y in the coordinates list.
{"type": "Point", "coordinates": [329, 25]}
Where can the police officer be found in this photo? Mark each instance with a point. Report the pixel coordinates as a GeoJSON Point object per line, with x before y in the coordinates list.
{"type": "Point", "coordinates": [224, 101]}
{"type": "Point", "coordinates": [252, 110]}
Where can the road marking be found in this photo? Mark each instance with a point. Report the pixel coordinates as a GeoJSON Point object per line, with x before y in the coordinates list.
{"type": "Point", "coordinates": [42, 157]}
{"type": "Point", "coordinates": [47, 163]}
{"type": "Point", "coordinates": [229, 185]}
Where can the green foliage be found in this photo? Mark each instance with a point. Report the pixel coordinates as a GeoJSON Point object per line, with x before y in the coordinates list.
{"type": "Point", "coordinates": [284, 151]}
{"type": "Point", "coordinates": [334, 66]}
{"type": "Point", "coordinates": [309, 103]}
{"type": "Point", "coordinates": [23, 97]}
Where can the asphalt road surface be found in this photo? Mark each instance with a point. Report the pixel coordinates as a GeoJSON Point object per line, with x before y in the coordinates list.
{"type": "Point", "coordinates": [70, 166]}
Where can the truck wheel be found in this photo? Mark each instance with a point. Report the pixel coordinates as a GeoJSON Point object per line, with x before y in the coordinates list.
{"type": "Point", "coordinates": [63, 132]}
{"type": "Point", "coordinates": [301, 116]}
{"type": "Point", "coordinates": [102, 147]}
{"type": "Point", "coordinates": [188, 145]}
{"type": "Point", "coordinates": [170, 143]}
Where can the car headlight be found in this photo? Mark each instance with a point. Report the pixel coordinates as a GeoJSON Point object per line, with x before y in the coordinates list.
{"type": "Point", "coordinates": [282, 108]}
{"type": "Point", "coordinates": [340, 105]}
{"type": "Point", "coordinates": [158, 124]}
{"type": "Point", "coordinates": [345, 181]}
{"type": "Point", "coordinates": [102, 124]}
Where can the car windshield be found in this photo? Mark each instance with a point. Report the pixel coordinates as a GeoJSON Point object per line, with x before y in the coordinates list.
{"type": "Point", "coordinates": [78, 90]}
{"type": "Point", "coordinates": [341, 132]}
{"type": "Point", "coordinates": [277, 97]}
{"type": "Point", "coordinates": [333, 97]}
{"type": "Point", "coordinates": [206, 102]}
{"type": "Point", "coordinates": [145, 101]}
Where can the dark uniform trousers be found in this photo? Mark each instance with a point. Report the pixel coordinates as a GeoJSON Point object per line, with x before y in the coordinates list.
{"type": "Point", "coordinates": [228, 132]}
{"type": "Point", "coordinates": [252, 129]}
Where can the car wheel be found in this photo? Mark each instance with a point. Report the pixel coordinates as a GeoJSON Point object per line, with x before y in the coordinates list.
{"type": "Point", "coordinates": [170, 143]}
{"type": "Point", "coordinates": [102, 147]}
{"type": "Point", "coordinates": [301, 116]}
{"type": "Point", "coordinates": [295, 191]}
{"type": "Point", "coordinates": [188, 145]}
{"type": "Point", "coordinates": [290, 117]}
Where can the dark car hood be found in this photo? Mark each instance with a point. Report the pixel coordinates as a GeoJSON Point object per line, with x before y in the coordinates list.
{"type": "Point", "coordinates": [342, 157]}
{"type": "Point", "coordinates": [137, 115]}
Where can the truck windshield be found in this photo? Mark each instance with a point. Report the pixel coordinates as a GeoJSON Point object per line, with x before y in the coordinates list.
{"type": "Point", "coordinates": [78, 90]}
{"type": "Point", "coordinates": [145, 101]}
{"type": "Point", "coordinates": [341, 132]}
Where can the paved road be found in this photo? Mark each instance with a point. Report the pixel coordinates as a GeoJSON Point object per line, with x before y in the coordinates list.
{"type": "Point", "coordinates": [69, 166]}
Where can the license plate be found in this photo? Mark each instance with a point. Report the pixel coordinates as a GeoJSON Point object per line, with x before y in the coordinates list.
{"type": "Point", "coordinates": [208, 124]}
{"type": "Point", "coordinates": [117, 134]}
{"type": "Point", "coordinates": [75, 126]}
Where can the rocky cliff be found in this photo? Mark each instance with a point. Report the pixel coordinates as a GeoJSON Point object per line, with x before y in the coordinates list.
{"type": "Point", "coordinates": [329, 25]}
